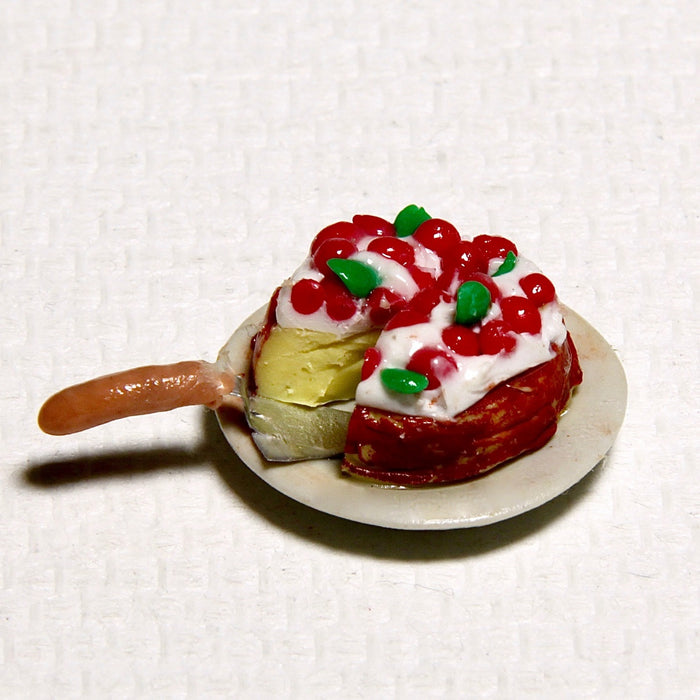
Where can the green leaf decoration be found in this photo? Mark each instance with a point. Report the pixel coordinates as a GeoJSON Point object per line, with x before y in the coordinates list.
{"type": "Point", "coordinates": [409, 219]}
{"type": "Point", "coordinates": [403, 381]}
{"type": "Point", "coordinates": [473, 302]}
{"type": "Point", "coordinates": [507, 265]}
{"type": "Point", "coordinates": [360, 279]}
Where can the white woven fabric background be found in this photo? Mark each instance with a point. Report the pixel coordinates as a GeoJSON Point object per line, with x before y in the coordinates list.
{"type": "Point", "coordinates": [163, 164]}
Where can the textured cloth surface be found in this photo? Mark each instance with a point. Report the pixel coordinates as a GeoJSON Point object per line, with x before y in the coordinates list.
{"type": "Point", "coordinates": [163, 164]}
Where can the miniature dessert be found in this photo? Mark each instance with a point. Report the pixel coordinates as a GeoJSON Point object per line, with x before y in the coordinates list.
{"type": "Point", "coordinates": [420, 356]}
{"type": "Point", "coordinates": [466, 359]}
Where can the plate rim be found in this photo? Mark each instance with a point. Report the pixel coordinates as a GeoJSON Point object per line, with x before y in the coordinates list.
{"type": "Point", "coordinates": [320, 485]}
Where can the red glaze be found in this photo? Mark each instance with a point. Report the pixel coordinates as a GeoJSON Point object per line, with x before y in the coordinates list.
{"type": "Point", "coordinates": [538, 288]}
{"type": "Point", "coordinates": [496, 337]}
{"type": "Point", "coordinates": [426, 300]}
{"type": "Point", "coordinates": [307, 296]}
{"type": "Point", "coordinates": [466, 257]}
{"type": "Point", "coordinates": [341, 229]}
{"type": "Point", "coordinates": [438, 235]}
{"type": "Point", "coordinates": [421, 277]}
{"type": "Point", "coordinates": [433, 363]}
{"type": "Point", "coordinates": [463, 261]}
{"type": "Point", "coordinates": [494, 246]}
{"type": "Point", "coordinates": [373, 225]}
{"type": "Point", "coordinates": [371, 361]}
{"type": "Point", "coordinates": [340, 304]}
{"type": "Point", "coordinates": [393, 248]}
{"type": "Point", "coordinates": [407, 317]}
{"type": "Point", "coordinates": [383, 304]}
{"type": "Point", "coordinates": [462, 340]}
{"type": "Point", "coordinates": [258, 340]}
{"type": "Point", "coordinates": [518, 416]}
{"type": "Point", "coordinates": [332, 248]}
{"type": "Point", "coordinates": [521, 315]}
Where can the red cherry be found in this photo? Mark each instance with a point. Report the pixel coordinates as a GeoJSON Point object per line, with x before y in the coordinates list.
{"type": "Point", "coordinates": [447, 277]}
{"type": "Point", "coordinates": [538, 288]}
{"type": "Point", "coordinates": [495, 337]}
{"type": "Point", "coordinates": [341, 229]}
{"type": "Point", "coordinates": [438, 235]}
{"type": "Point", "coordinates": [486, 280]}
{"type": "Point", "coordinates": [340, 305]}
{"type": "Point", "coordinates": [371, 361]}
{"type": "Point", "coordinates": [407, 317]}
{"type": "Point", "coordinates": [462, 340]}
{"type": "Point", "coordinates": [332, 248]}
{"type": "Point", "coordinates": [464, 259]}
{"type": "Point", "coordinates": [306, 296]}
{"type": "Point", "coordinates": [393, 248]}
{"type": "Point", "coordinates": [421, 277]}
{"type": "Point", "coordinates": [340, 308]}
{"type": "Point", "coordinates": [426, 300]}
{"type": "Point", "coordinates": [494, 246]}
{"type": "Point", "coordinates": [373, 225]}
{"type": "Point", "coordinates": [432, 363]}
{"type": "Point", "coordinates": [521, 315]}
{"type": "Point", "coordinates": [383, 304]}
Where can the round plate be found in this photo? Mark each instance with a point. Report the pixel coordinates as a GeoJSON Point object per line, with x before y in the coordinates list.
{"type": "Point", "coordinates": [585, 433]}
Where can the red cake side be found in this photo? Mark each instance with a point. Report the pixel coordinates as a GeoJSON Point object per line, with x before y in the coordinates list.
{"type": "Point", "coordinates": [517, 416]}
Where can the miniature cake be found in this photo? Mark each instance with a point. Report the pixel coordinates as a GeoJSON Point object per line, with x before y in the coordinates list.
{"type": "Point", "coordinates": [454, 352]}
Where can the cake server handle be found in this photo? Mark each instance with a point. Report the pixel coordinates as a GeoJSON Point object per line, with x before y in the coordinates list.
{"type": "Point", "coordinates": [134, 392]}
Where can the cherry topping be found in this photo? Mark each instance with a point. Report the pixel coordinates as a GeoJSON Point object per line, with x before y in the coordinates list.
{"type": "Point", "coordinates": [438, 235]}
{"type": "Point", "coordinates": [426, 300]}
{"type": "Point", "coordinates": [340, 308]}
{"type": "Point", "coordinates": [373, 225]}
{"type": "Point", "coordinates": [393, 248]}
{"type": "Point", "coordinates": [432, 363]}
{"type": "Point", "coordinates": [306, 296]}
{"type": "Point", "coordinates": [421, 277]}
{"type": "Point", "coordinates": [496, 337]}
{"type": "Point", "coordinates": [383, 304]}
{"type": "Point", "coordinates": [371, 361]}
{"type": "Point", "coordinates": [494, 246]}
{"type": "Point", "coordinates": [538, 288]}
{"type": "Point", "coordinates": [521, 315]}
{"type": "Point", "coordinates": [340, 305]}
{"type": "Point", "coordinates": [341, 229]}
{"type": "Point", "coordinates": [407, 317]}
{"type": "Point", "coordinates": [467, 259]}
{"type": "Point", "coordinates": [330, 249]}
{"type": "Point", "coordinates": [462, 340]}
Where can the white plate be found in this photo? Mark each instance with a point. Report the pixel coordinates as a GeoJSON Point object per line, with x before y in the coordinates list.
{"type": "Point", "coordinates": [585, 434]}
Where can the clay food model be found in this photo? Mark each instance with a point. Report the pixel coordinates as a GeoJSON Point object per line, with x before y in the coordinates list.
{"type": "Point", "coordinates": [419, 356]}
